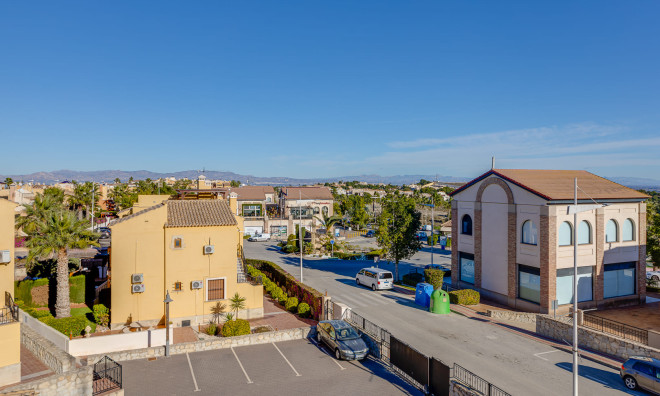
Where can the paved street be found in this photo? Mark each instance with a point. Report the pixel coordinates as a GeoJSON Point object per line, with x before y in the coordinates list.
{"type": "Point", "coordinates": [517, 364]}
{"type": "Point", "coordinates": [287, 368]}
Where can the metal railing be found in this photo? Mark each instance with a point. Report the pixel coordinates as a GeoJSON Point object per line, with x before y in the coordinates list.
{"type": "Point", "coordinates": [242, 275]}
{"type": "Point", "coordinates": [100, 288]}
{"type": "Point", "coordinates": [618, 329]}
{"type": "Point", "coordinates": [107, 376]}
{"type": "Point", "coordinates": [473, 381]}
{"type": "Point", "coordinates": [9, 313]}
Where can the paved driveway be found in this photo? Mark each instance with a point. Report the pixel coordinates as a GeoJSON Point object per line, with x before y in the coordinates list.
{"type": "Point", "coordinates": [288, 368]}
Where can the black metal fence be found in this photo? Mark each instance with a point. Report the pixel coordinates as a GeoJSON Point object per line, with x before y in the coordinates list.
{"type": "Point", "coordinates": [473, 381]}
{"type": "Point", "coordinates": [10, 312]}
{"type": "Point", "coordinates": [616, 328]}
{"type": "Point", "coordinates": [107, 376]}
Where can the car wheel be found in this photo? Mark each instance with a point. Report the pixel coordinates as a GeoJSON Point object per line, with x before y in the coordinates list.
{"type": "Point", "coordinates": [655, 278]}
{"type": "Point", "coordinates": [373, 287]}
{"type": "Point", "coordinates": [337, 354]}
{"type": "Point", "coordinates": [630, 382]}
{"type": "Point", "coordinates": [318, 337]}
{"type": "Point", "coordinates": [357, 281]}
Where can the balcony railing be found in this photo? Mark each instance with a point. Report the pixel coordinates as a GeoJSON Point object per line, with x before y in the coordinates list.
{"type": "Point", "coordinates": [9, 313]}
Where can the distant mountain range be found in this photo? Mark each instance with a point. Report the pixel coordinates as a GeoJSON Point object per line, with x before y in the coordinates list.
{"type": "Point", "coordinates": [111, 175]}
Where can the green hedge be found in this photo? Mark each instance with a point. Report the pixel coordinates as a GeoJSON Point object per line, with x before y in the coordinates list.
{"type": "Point", "coordinates": [412, 279]}
{"type": "Point", "coordinates": [23, 289]}
{"type": "Point", "coordinates": [73, 325]}
{"type": "Point", "coordinates": [294, 288]}
{"type": "Point", "coordinates": [464, 297]}
{"type": "Point", "coordinates": [434, 277]}
{"type": "Point", "coordinates": [303, 310]}
{"type": "Point", "coordinates": [101, 314]}
{"type": "Point", "coordinates": [291, 304]}
{"type": "Point", "coordinates": [236, 327]}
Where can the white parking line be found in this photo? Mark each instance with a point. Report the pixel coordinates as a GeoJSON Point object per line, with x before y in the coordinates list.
{"type": "Point", "coordinates": [192, 373]}
{"type": "Point", "coordinates": [543, 353]}
{"type": "Point", "coordinates": [287, 360]}
{"type": "Point", "coordinates": [249, 381]}
{"type": "Point", "coordinates": [324, 351]}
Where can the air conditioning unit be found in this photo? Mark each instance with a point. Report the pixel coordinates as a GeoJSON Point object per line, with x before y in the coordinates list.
{"type": "Point", "coordinates": [137, 278]}
{"type": "Point", "coordinates": [138, 288]}
{"type": "Point", "coordinates": [5, 256]}
{"type": "Point", "coordinates": [197, 285]}
{"type": "Point", "coordinates": [209, 249]}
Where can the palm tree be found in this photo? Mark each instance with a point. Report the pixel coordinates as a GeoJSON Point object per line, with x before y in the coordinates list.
{"type": "Point", "coordinates": [237, 303]}
{"type": "Point", "coordinates": [56, 232]}
{"type": "Point", "coordinates": [217, 310]}
{"type": "Point", "coordinates": [328, 221]}
{"type": "Point", "coordinates": [38, 212]}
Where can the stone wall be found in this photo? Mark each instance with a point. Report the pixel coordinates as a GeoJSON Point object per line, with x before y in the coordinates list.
{"type": "Point", "coordinates": [72, 383]}
{"type": "Point", "coordinates": [562, 329]}
{"type": "Point", "coordinates": [58, 360]}
{"type": "Point", "coordinates": [208, 344]}
{"type": "Point", "coordinates": [523, 317]}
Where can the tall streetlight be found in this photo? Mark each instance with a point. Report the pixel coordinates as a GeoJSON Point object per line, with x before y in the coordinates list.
{"type": "Point", "coordinates": [432, 205]}
{"type": "Point", "coordinates": [92, 217]}
{"type": "Point", "coordinates": [575, 209]}
{"type": "Point", "coordinates": [167, 302]}
{"type": "Point", "coordinates": [300, 234]}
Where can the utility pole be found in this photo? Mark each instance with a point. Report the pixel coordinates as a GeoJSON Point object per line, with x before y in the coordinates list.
{"type": "Point", "coordinates": [300, 234]}
{"type": "Point", "coordinates": [432, 229]}
{"type": "Point", "coordinates": [575, 294]}
{"type": "Point", "coordinates": [92, 217]}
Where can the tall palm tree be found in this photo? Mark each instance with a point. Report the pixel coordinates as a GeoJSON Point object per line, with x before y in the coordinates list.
{"type": "Point", "coordinates": [58, 231]}
{"type": "Point", "coordinates": [328, 222]}
{"type": "Point", "coordinates": [237, 303]}
{"type": "Point", "coordinates": [38, 212]}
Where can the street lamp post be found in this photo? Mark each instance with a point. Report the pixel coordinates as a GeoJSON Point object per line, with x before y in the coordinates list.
{"type": "Point", "coordinates": [167, 302]}
{"type": "Point", "coordinates": [92, 217]}
{"type": "Point", "coordinates": [432, 205]}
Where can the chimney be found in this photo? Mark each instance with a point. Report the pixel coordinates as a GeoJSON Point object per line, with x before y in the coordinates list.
{"type": "Point", "coordinates": [233, 204]}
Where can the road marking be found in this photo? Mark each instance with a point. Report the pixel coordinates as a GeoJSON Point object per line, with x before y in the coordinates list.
{"type": "Point", "coordinates": [600, 381]}
{"type": "Point", "coordinates": [192, 373]}
{"type": "Point", "coordinates": [543, 353]}
{"type": "Point", "coordinates": [287, 360]}
{"type": "Point", "coordinates": [324, 351]}
{"type": "Point", "coordinates": [249, 381]}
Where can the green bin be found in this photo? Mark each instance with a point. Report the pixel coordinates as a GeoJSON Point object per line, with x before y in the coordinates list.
{"type": "Point", "coordinates": [439, 302]}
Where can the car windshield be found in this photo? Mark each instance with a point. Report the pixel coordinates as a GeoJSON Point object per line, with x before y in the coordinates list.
{"type": "Point", "coordinates": [385, 275]}
{"type": "Point", "coordinates": [348, 333]}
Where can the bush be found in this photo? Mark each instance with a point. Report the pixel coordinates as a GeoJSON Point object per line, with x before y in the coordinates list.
{"type": "Point", "coordinates": [291, 304]}
{"type": "Point", "coordinates": [412, 279]}
{"type": "Point", "coordinates": [464, 297]}
{"type": "Point", "coordinates": [434, 277]}
{"type": "Point", "coordinates": [23, 289]}
{"type": "Point", "coordinates": [101, 314]}
{"type": "Point", "coordinates": [282, 298]}
{"type": "Point", "coordinates": [276, 293]}
{"type": "Point", "coordinates": [432, 240]}
{"type": "Point", "coordinates": [77, 289]}
{"type": "Point", "coordinates": [73, 325]}
{"type": "Point", "coordinates": [236, 327]}
{"type": "Point", "coordinates": [211, 329]}
{"type": "Point", "coordinates": [41, 313]}
{"type": "Point", "coordinates": [303, 310]}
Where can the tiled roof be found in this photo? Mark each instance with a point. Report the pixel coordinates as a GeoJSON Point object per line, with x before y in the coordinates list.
{"type": "Point", "coordinates": [199, 213]}
{"type": "Point", "coordinates": [253, 193]}
{"type": "Point", "coordinates": [149, 209]}
{"type": "Point", "coordinates": [293, 193]}
{"type": "Point", "coordinates": [558, 185]}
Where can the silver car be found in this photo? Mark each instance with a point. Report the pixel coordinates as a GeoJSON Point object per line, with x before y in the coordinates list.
{"type": "Point", "coordinates": [653, 275]}
{"type": "Point", "coordinates": [341, 338]}
{"type": "Point", "coordinates": [641, 372]}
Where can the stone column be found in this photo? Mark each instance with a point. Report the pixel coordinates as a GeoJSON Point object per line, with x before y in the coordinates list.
{"type": "Point", "coordinates": [548, 258]}
{"type": "Point", "coordinates": [476, 232]}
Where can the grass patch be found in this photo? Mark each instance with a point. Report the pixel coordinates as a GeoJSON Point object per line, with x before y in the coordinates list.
{"type": "Point", "coordinates": [404, 286]}
{"type": "Point", "coordinates": [87, 313]}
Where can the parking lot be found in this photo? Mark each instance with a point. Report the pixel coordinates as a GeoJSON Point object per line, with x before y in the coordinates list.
{"type": "Point", "coordinates": [298, 367]}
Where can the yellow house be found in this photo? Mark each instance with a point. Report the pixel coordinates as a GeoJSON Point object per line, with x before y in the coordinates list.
{"type": "Point", "coordinates": [191, 248]}
{"type": "Point", "coordinates": [10, 330]}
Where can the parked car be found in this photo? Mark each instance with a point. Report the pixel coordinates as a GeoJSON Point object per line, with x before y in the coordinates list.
{"type": "Point", "coordinates": [421, 235]}
{"type": "Point", "coordinates": [342, 338]}
{"type": "Point", "coordinates": [259, 238]}
{"type": "Point", "coordinates": [376, 278]}
{"type": "Point", "coordinates": [641, 372]}
{"type": "Point", "coordinates": [370, 234]}
{"type": "Point", "coordinates": [653, 275]}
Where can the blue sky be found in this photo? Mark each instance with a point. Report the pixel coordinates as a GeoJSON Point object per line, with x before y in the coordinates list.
{"type": "Point", "coordinates": [320, 89]}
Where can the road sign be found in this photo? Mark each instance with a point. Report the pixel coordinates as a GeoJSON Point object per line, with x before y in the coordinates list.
{"type": "Point", "coordinates": [332, 241]}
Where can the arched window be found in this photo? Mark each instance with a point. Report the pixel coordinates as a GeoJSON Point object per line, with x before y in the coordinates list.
{"type": "Point", "coordinates": [584, 233]}
{"type": "Point", "coordinates": [466, 225]}
{"type": "Point", "coordinates": [628, 230]}
{"type": "Point", "coordinates": [565, 234]}
{"type": "Point", "coordinates": [529, 233]}
{"type": "Point", "coordinates": [611, 231]}
{"type": "Point", "coordinates": [325, 210]}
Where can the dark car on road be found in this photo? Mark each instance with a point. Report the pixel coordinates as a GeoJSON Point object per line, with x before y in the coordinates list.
{"type": "Point", "coordinates": [342, 339]}
{"type": "Point", "coordinates": [370, 234]}
{"type": "Point", "coordinates": [641, 372]}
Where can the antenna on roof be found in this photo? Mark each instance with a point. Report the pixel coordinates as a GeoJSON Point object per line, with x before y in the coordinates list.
{"type": "Point", "coordinates": [492, 164]}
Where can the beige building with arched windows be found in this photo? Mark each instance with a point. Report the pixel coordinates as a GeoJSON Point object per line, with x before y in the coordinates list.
{"type": "Point", "coordinates": [513, 239]}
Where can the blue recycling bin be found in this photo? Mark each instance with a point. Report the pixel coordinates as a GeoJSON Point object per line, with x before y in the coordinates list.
{"type": "Point", "coordinates": [423, 294]}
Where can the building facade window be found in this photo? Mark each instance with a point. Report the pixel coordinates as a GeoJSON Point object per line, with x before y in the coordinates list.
{"type": "Point", "coordinates": [466, 225]}
{"type": "Point", "coordinates": [177, 243]}
{"type": "Point", "coordinates": [529, 283]}
{"type": "Point", "coordinates": [215, 289]}
{"type": "Point", "coordinates": [565, 284]}
{"type": "Point", "coordinates": [529, 233]}
{"type": "Point", "coordinates": [611, 231]}
{"type": "Point", "coordinates": [466, 267]}
{"type": "Point", "coordinates": [251, 210]}
{"type": "Point", "coordinates": [565, 236]}
{"type": "Point", "coordinates": [325, 210]}
{"type": "Point", "coordinates": [584, 233]}
{"type": "Point", "coordinates": [628, 231]}
{"type": "Point", "coordinates": [305, 213]}
{"type": "Point", "coordinates": [619, 279]}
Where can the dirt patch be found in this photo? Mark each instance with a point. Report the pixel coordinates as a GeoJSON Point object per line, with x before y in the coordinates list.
{"type": "Point", "coordinates": [40, 295]}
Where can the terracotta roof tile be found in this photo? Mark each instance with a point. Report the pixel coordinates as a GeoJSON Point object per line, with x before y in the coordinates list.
{"type": "Point", "coordinates": [149, 209]}
{"type": "Point", "coordinates": [293, 193]}
{"type": "Point", "coordinates": [199, 213]}
{"type": "Point", "coordinates": [253, 193]}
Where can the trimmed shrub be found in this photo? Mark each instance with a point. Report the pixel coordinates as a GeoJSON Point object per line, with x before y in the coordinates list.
{"type": "Point", "coordinates": [434, 277]}
{"type": "Point", "coordinates": [412, 279]}
{"type": "Point", "coordinates": [303, 310]}
{"type": "Point", "coordinates": [282, 298]}
{"type": "Point", "coordinates": [73, 325]}
{"type": "Point", "coordinates": [276, 293]}
{"type": "Point", "coordinates": [236, 327]}
{"type": "Point", "coordinates": [211, 329]}
{"type": "Point", "coordinates": [41, 313]}
{"type": "Point", "coordinates": [464, 297]}
{"type": "Point", "coordinates": [101, 314]}
{"type": "Point", "coordinates": [23, 289]}
{"type": "Point", "coordinates": [291, 304]}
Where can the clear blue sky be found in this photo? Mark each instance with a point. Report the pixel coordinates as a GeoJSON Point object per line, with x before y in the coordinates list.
{"type": "Point", "coordinates": [333, 88]}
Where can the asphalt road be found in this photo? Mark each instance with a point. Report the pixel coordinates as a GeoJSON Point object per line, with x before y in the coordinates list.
{"type": "Point", "coordinates": [517, 364]}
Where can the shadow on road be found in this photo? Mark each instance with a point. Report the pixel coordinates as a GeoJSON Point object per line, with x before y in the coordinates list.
{"type": "Point", "coordinates": [605, 378]}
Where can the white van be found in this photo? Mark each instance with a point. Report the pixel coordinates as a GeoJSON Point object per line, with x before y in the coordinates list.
{"type": "Point", "coordinates": [376, 278]}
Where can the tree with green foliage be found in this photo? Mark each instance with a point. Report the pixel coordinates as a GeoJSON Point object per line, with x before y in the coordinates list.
{"type": "Point", "coordinates": [55, 193]}
{"type": "Point", "coordinates": [236, 303]}
{"type": "Point", "coordinates": [9, 181]}
{"type": "Point", "coordinates": [653, 227]}
{"type": "Point", "coordinates": [182, 184]}
{"type": "Point", "coordinates": [234, 183]}
{"type": "Point", "coordinates": [398, 223]}
{"type": "Point", "coordinates": [354, 207]}
{"type": "Point", "coordinates": [327, 222]}
{"type": "Point", "coordinates": [55, 231]}
{"type": "Point", "coordinates": [122, 196]}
